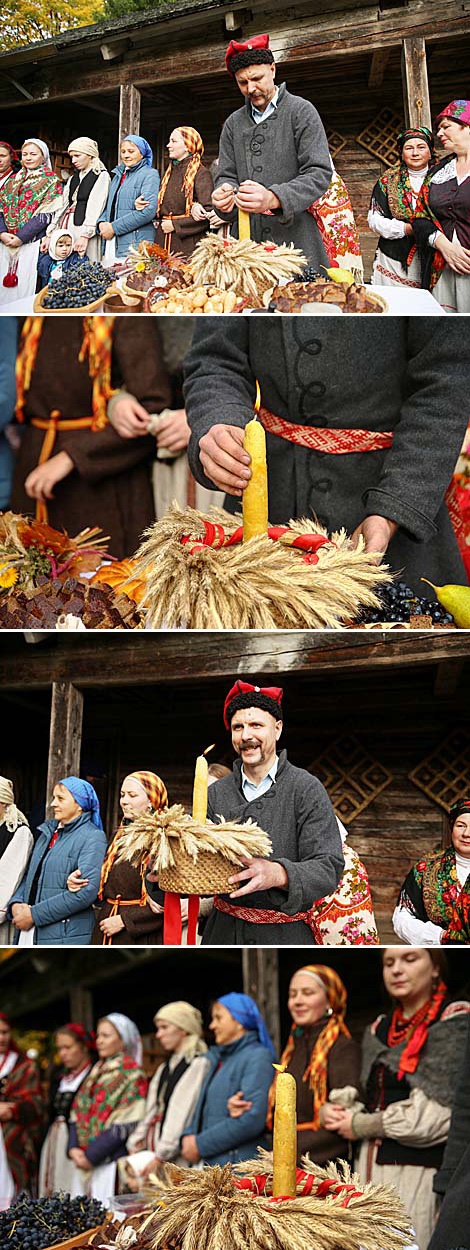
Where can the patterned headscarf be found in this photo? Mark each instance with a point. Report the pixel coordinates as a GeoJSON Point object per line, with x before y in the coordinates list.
{"type": "Point", "coordinates": [316, 1072]}
{"type": "Point", "coordinates": [246, 1011]}
{"type": "Point", "coordinates": [85, 795]}
{"type": "Point", "coordinates": [85, 1036]}
{"type": "Point", "coordinates": [415, 132]}
{"type": "Point", "coordinates": [13, 817]}
{"type": "Point", "coordinates": [457, 111]}
{"type": "Point", "coordinates": [459, 808]}
{"type": "Point", "coordinates": [97, 344]}
{"type": "Point", "coordinates": [195, 147]}
{"type": "Point", "coordinates": [157, 793]}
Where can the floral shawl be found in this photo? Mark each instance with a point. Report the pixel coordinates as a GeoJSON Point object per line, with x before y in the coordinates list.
{"type": "Point", "coordinates": [393, 197]}
{"type": "Point", "coordinates": [113, 1086]}
{"type": "Point", "coordinates": [28, 193]}
{"type": "Point", "coordinates": [23, 1134]}
{"type": "Point", "coordinates": [432, 891]}
{"type": "Point", "coordinates": [346, 918]}
{"type": "Point", "coordinates": [334, 217]}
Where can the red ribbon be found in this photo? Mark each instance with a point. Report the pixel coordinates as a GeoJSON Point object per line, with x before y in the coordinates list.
{"type": "Point", "coordinates": [257, 1185]}
{"type": "Point", "coordinates": [172, 921]}
{"type": "Point", "coordinates": [215, 536]}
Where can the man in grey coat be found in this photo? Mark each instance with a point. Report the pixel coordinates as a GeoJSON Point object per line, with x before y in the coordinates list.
{"type": "Point", "coordinates": [398, 386]}
{"type": "Point", "coordinates": [274, 160]}
{"type": "Point", "coordinates": [272, 902]}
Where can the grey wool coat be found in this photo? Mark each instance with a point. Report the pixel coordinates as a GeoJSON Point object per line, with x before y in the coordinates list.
{"type": "Point", "coordinates": [409, 375]}
{"type": "Point", "coordinates": [287, 153]}
{"type": "Point", "coordinates": [297, 814]}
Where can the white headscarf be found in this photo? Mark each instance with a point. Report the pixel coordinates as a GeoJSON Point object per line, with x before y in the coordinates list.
{"type": "Point", "coordinates": [129, 1033]}
{"type": "Point", "coordinates": [13, 818]}
{"type": "Point", "coordinates": [54, 239]}
{"type": "Point", "coordinates": [43, 148]}
{"type": "Point", "coordinates": [89, 148]}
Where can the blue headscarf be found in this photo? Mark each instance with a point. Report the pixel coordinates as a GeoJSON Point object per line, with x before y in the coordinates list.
{"type": "Point", "coordinates": [244, 1009]}
{"type": "Point", "coordinates": [143, 147]}
{"type": "Point", "coordinates": [85, 795]}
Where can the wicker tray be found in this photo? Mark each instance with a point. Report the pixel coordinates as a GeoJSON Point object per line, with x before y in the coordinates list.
{"type": "Point", "coordinates": [81, 1239]}
{"type": "Point", "coordinates": [38, 306]}
{"type": "Point", "coordinates": [208, 874]}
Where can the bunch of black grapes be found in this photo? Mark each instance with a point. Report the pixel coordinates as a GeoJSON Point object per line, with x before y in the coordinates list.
{"type": "Point", "coordinates": [33, 1224]}
{"type": "Point", "coordinates": [78, 286]}
{"type": "Point", "coordinates": [398, 603]}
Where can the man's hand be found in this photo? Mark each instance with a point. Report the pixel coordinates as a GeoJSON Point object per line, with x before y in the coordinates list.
{"type": "Point", "coordinates": [129, 418]}
{"type": "Point", "coordinates": [252, 197]}
{"type": "Point", "coordinates": [40, 483]}
{"type": "Point", "coordinates": [173, 431]}
{"type": "Point", "coordinates": [22, 917]}
{"type": "Point", "coordinates": [377, 533]}
{"type": "Point", "coordinates": [455, 256]}
{"type": "Point", "coordinates": [75, 881]}
{"type": "Point", "coordinates": [112, 925]}
{"type": "Point", "coordinates": [259, 874]}
{"type": "Point", "coordinates": [224, 460]}
{"type": "Point", "coordinates": [237, 1105]}
{"type": "Point", "coordinates": [106, 230]}
{"type": "Point", "coordinates": [223, 197]}
{"type": "Point", "coordinates": [189, 1148]}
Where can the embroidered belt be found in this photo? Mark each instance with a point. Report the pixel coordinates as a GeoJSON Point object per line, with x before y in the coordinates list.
{"type": "Point", "coordinates": [52, 425]}
{"type": "Point", "coordinates": [334, 442]}
{"type": "Point", "coordinates": [263, 916]}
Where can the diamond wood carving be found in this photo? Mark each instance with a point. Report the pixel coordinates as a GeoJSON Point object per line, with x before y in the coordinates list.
{"type": "Point", "coordinates": [444, 775]}
{"type": "Point", "coordinates": [336, 142]}
{"type": "Point", "coordinates": [380, 136]}
{"type": "Point", "coordinates": [351, 776]}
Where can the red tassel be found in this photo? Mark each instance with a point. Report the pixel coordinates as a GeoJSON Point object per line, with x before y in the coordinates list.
{"type": "Point", "coordinates": [172, 923]}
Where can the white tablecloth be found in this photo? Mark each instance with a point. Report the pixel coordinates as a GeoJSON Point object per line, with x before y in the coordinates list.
{"type": "Point", "coordinates": [401, 303]}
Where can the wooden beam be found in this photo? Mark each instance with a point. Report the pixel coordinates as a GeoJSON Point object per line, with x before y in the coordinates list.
{"type": "Point", "coordinates": [81, 1005]}
{"type": "Point", "coordinates": [152, 659]}
{"type": "Point", "coordinates": [261, 981]}
{"type": "Point", "coordinates": [448, 678]}
{"type": "Point", "coordinates": [415, 82]}
{"type": "Point", "coordinates": [129, 110]}
{"type": "Point", "coordinates": [378, 65]}
{"type": "Point", "coordinates": [65, 733]}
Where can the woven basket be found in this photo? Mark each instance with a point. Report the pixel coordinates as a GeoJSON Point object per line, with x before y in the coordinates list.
{"type": "Point", "coordinates": [81, 1239]}
{"type": "Point", "coordinates": [208, 874]}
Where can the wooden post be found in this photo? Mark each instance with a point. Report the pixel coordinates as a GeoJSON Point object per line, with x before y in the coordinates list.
{"type": "Point", "coordinates": [81, 1005]}
{"type": "Point", "coordinates": [261, 980]}
{"type": "Point", "coordinates": [129, 111]}
{"type": "Point", "coordinates": [65, 734]}
{"type": "Point", "coordinates": [415, 82]}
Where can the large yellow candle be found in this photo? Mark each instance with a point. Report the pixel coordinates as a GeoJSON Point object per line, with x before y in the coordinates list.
{"type": "Point", "coordinates": [285, 1135]}
{"type": "Point", "coordinates": [243, 224]}
{"type": "Point", "coordinates": [200, 790]}
{"type": "Point", "coordinates": [255, 495]}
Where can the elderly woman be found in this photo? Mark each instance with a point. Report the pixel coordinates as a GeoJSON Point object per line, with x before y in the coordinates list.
{"type": "Point", "coordinates": [74, 469]}
{"type": "Point", "coordinates": [240, 1060]}
{"type": "Point", "coordinates": [434, 902]}
{"type": "Point", "coordinates": [121, 225]}
{"type": "Point", "coordinates": [28, 202]}
{"type": "Point", "coordinates": [16, 844]}
{"type": "Point", "coordinates": [185, 197]}
{"type": "Point", "coordinates": [42, 909]}
{"type": "Point", "coordinates": [21, 1116]}
{"type": "Point", "coordinates": [107, 1108]}
{"type": "Point", "coordinates": [411, 1063]}
{"type": "Point", "coordinates": [76, 1050]}
{"type": "Point", "coordinates": [393, 207]}
{"type": "Point", "coordinates": [85, 198]}
{"type": "Point", "coordinates": [173, 1093]}
{"type": "Point", "coordinates": [123, 914]}
{"type": "Point", "coordinates": [443, 234]}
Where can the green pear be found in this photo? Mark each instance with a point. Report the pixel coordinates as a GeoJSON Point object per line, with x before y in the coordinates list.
{"type": "Point", "coordinates": [455, 599]}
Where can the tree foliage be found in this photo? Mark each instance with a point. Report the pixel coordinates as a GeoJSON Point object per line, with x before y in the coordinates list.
{"type": "Point", "coordinates": [121, 8]}
{"type": "Point", "coordinates": [26, 21]}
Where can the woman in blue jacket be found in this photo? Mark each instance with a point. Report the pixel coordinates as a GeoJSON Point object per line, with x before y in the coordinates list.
{"type": "Point", "coordinates": [242, 1057]}
{"type": "Point", "coordinates": [121, 225]}
{"type": "Point", "coordinates": [43, 911]}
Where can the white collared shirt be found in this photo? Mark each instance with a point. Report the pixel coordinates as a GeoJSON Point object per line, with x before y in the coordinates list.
{"type": "Point", "coordinates": [252, 791]}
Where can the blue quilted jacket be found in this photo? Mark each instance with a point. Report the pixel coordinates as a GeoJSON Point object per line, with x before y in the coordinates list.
{"type": "Point", "coordinates": [62, 918]}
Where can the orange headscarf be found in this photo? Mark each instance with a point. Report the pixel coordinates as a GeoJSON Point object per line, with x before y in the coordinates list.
{"type": "Point", "coordinates": [316, 1072]}
{"type": "Point", "coordinates": [97, 344]}
{"type": "Point", "coordinates": [195, 147]}
{"type": "Point", "coordinates": [158, 799]}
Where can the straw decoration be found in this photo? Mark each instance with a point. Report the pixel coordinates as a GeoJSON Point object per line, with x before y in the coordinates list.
{"type": "Point", "coordinates": [203, 1210]}
{"type": "Point", "coordinates": [261, 584]}
{"type": "Point", "coordinates": [162, 836]}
